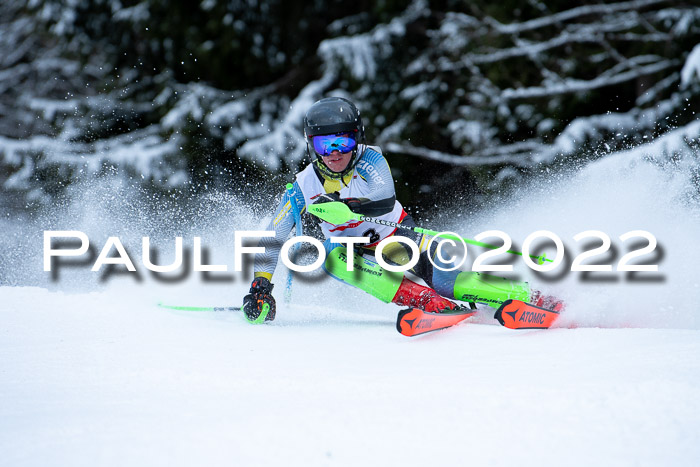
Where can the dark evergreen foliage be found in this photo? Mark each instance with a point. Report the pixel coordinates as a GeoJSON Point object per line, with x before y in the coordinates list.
{"type": "Point", "coordinates": [462, 95]}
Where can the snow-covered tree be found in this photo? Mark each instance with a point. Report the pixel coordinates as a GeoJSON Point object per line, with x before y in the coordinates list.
{"type": "Point", "coordinates": [461, 95]}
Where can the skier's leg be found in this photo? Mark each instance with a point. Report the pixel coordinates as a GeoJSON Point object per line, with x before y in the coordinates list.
{"type": "Point", "coordinates": [467, 286]}
{"type": "Point", "coordinates": [483, 288]}
{"type": "Point", "coordinates": [477, 287]}
{"type": "Point", "coordinates": [385, 285]}
{"type": "Point", "coordinates": [366, 274]}
{"type": "Point", "coordinates": [462, 285]}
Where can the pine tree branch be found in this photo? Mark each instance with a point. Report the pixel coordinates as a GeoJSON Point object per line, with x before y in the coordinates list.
{"type": "Point", "coordinates": [576, 85]}
{"type": "Point", "coordinates": [561, 17]}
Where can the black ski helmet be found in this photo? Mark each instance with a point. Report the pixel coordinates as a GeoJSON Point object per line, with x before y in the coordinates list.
{"type": "Point", "coordinates": [329, 116]}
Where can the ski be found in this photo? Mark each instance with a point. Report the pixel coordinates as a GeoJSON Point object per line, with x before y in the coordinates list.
{"type": "Point", "coordinates": [515, 314]}
{"type": "Point", "coordinates": [200, 308]}
{"type": "Point", "coordinates": [414, 321]}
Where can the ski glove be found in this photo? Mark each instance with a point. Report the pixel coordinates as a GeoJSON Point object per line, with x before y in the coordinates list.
{"type": "Point", "coordinates": [353, 203]}
{"type": "Point", "coordinates": [259, 305]}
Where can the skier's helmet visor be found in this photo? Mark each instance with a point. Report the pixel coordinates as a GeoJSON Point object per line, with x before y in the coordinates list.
{"type": "Point", "coordinates": [324, 145]}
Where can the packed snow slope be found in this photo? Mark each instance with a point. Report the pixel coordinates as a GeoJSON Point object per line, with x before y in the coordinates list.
{"type": "Point", "coordinates": [104, 379]}
{"type": "Point", "coordinates": [93, 372]}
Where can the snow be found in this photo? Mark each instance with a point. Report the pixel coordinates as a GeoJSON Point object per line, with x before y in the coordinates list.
{"type": "Point", "coordinates": [94, 372]}
{"type": "Point", "coordinates": [356, 53]}
{"type": "Point", "coordinates": [109, 379]}
{"type": "Point", "coordinates": [361, 54]}
{"type": "Point", "coordinates": [691, 69]}
{"type": "Point", "coordinates": [139, 149]}
{"type": "Point", "coordinates": [287, 136]}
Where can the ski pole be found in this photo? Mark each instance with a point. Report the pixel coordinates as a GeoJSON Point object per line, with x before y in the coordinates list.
{"type": "Point", "coordinates": [297, 222]}
{"type": "Point", "coordinates": [338, 213]}
{"type": "Point", "coordinates": [200, 308]}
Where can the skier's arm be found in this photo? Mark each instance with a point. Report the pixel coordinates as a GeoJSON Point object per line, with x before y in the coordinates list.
{"type": "Point", "coordinates": [381, 199]}
{"type": "Point", "coordinates": [282, 223]}
{"type": "Point", "coordinates": [259, 305]}
{"type": "Point", "coordinates": [367, 207]}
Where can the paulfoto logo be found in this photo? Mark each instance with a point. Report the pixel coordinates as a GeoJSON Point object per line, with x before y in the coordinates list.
{"type": "Point", "coordinates": [583, 262]}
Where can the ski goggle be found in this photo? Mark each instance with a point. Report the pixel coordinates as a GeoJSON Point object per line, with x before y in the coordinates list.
{"type": "Point", "coordinates": [326, 144]}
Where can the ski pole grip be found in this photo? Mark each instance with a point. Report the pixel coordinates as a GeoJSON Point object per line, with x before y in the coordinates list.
{"type": "Point", "coordinates": [543, 258]}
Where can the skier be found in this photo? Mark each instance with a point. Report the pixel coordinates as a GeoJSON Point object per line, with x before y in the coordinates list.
{"type": "Point", "coordinates": [344, 168]}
